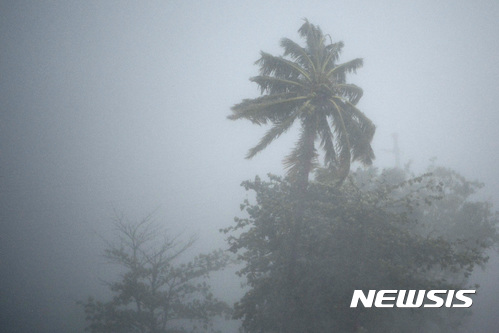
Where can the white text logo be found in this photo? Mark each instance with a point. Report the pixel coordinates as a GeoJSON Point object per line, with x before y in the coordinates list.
{"type": "Point", "coordinates": [413, 298]}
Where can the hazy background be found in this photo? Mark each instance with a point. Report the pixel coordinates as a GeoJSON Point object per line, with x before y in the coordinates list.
{"type": "Point", "coordinates": [107, 105]}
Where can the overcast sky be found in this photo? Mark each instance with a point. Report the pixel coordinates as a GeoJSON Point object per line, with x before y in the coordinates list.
{"type": "Point", "coordinates": [107, 105]}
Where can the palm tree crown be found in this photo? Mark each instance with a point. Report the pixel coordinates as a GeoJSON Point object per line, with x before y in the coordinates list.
{"type": "Point", "coordinates": [307, 85]}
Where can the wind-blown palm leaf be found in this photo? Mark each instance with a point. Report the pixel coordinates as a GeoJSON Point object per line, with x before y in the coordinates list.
{"type": "Point", "coordinates": [303, 156]}
{"type": "Point", "coordinates": [347, 67]}
{"type": "Point", "coordinates": [308, 85]}
{"type": "Point", "coordinates": [298, 53]}
{"type": "Point", "coordinates": [266, 108]}
{"type": "Point", "coordinates": [327, 143]}
{"type": "Point", "coordinates": [276, 131]}
{"type": "Point", "coordinates": [314, 38]}
{"type": "Point", "coordinates": [275, 85]}
{"type": "Point", "coordinates": [333, 51]}
{"type": "Point", "coordinates": [343, 141]}
{"type": "Point", "coordinates": [352, 92]}
{"type": "Point", "coordinates": [281, 67]}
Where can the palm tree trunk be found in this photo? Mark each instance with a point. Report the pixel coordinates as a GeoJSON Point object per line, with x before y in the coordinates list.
{"type": "Point", "coordinates": [300, 188]}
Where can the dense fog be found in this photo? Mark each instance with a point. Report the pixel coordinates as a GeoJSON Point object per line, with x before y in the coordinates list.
{"type": "Point", "coordinates": [122, 107]}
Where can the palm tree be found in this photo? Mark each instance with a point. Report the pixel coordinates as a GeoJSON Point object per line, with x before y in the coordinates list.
{"type": "Point", "coordinates": [307, 85]}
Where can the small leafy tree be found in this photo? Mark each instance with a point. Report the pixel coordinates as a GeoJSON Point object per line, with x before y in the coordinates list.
{"type": "Point", "coordinates": [156, 293]}
{"type": "Point", "coordinates": [380, 231]}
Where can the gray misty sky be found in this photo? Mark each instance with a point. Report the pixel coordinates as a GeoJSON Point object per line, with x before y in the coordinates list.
{"type": "Point", "coordinates": [110, 105]}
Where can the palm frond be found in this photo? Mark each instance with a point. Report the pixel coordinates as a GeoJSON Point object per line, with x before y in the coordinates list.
{"type": "Point", "coordinates": [343, 141]}
{"type": "Point", "coordinates": [298, 53]}
{"type": "Point", "coordinates": [275, 132]}
{"type": "Point", "coordinates": [333, 54]}
{"type": "Point", "coordinates": [280, 67]}
{"type": "Point", "coordinates": [303, 157]}
{"type": "Point", "coordinates": [347, 67]}
{"type": "Point", "coordinates": [313, 36]}
{"type": "Point", "coordinates": [362, 132]}
{"type": "Point", "coordinates": [326, 143]}
{"type": "Point", "coordinates": [266, 108]}
{"type": "Point", "coordinates": [368, 127]}
{"type": "Point", "coordinates": [275, 85]}
{"type": "Point", "coordinates": [352, 92]}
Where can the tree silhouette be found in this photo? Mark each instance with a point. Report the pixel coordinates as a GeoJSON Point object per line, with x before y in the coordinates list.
{"type": "Point", "coordinates": [156, 293]}
{"type": "Point", "coordinates": [380, 230]}
{"type": "Point", "coordinates": [307, 85]}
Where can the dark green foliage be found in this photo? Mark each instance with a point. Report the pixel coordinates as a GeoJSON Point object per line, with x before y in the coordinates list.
{"type": "Point", "coordinates": [156, 293]}
{"type": "Point", "coordinates": [380, 231]}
